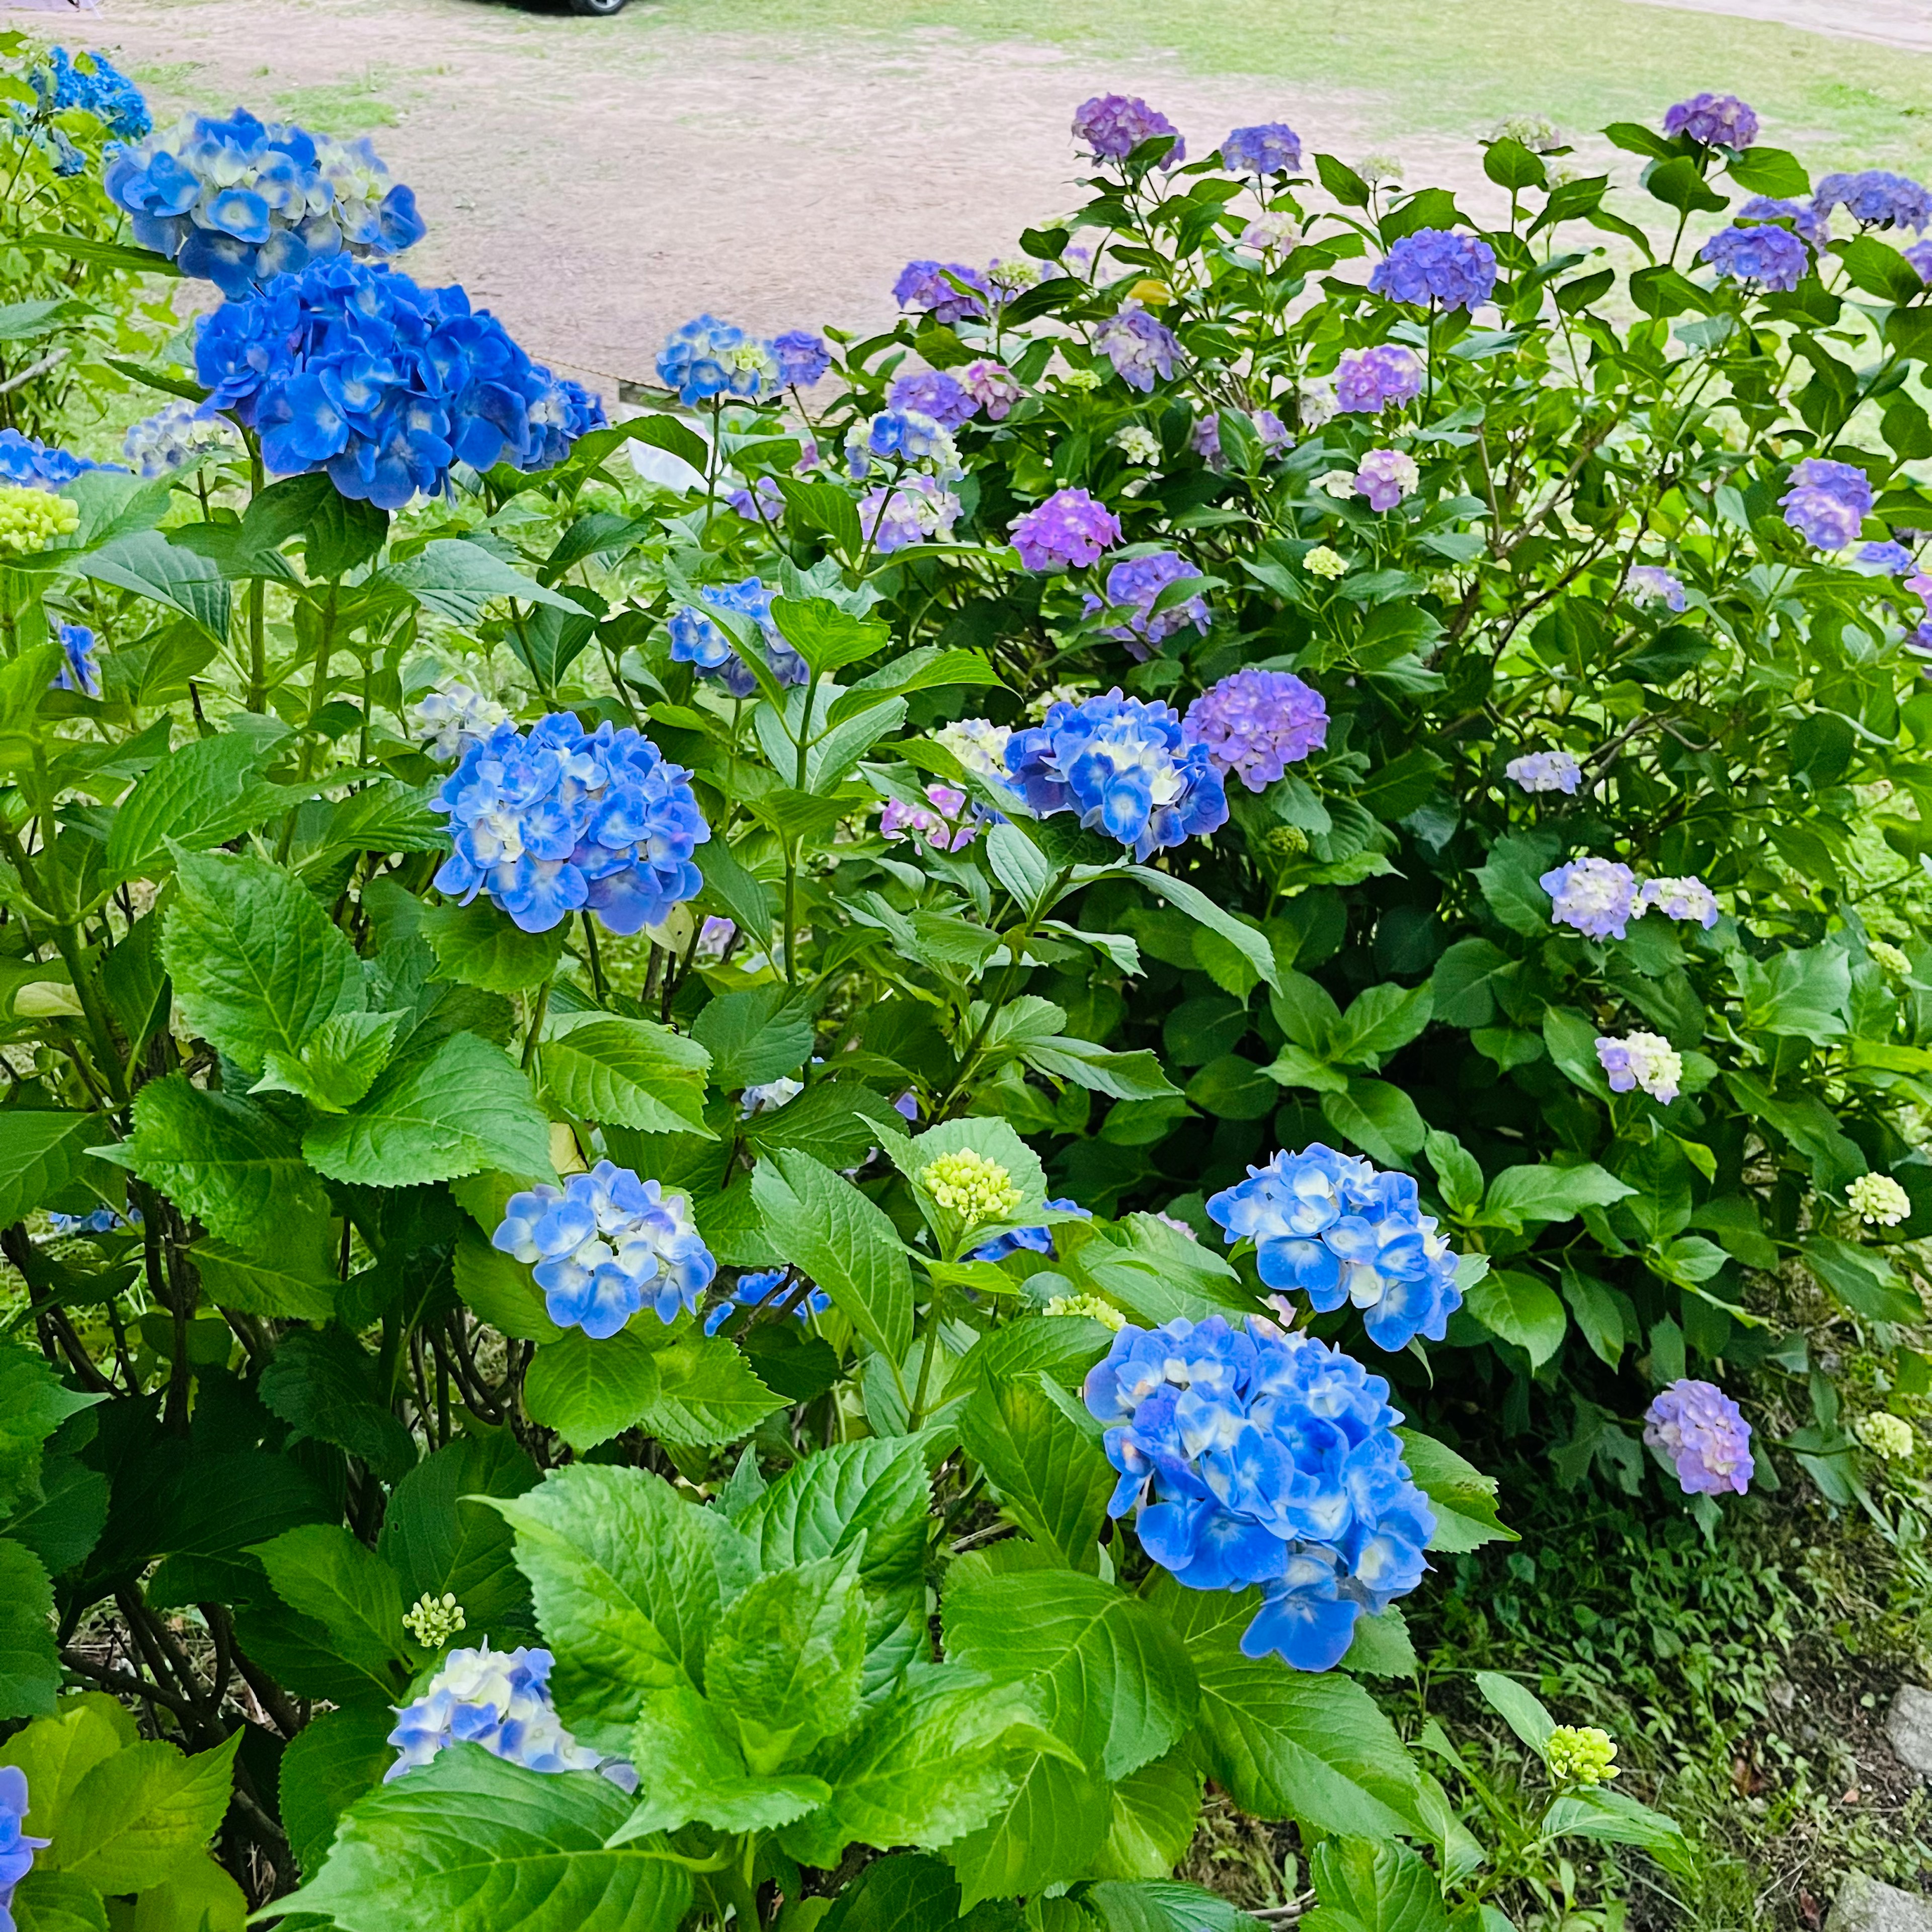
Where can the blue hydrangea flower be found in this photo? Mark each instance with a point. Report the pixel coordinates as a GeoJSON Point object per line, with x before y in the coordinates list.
{"type": "Point", "coordinates": [802, 358]}
{"type": "Point", "coordinates": [1828, 502]}
{"type": "Point", "coordinates": [755, 1291]}
{"type": "Point", "coordinates": [901, 437]}
{"type": "Point", "coordinates": [1125, 766]}
{"type": "Point", "coordinates": [240, 202]}
{"type": "Point", "coordinates": [1255, 724]}
{"type": "Point", "coordinates": [708, 359]}
{"type": "Point", "coordinates": [1140, 347]}
{"type": "Point", "coordinates": [180, 436]}
{"type": "Point", "coordinates": [1764, 255]}
{"type": "Point", "coordinates": [1598, 897]}
{"type": "Point", "coordinates": [32, 464]}
{"type": "Point", "coordinates": [1257, 1457]}
{"type": "Point", "coordinates": [1135, 585]}
{"type": "Point", "coordinates": [605, 1245]}
{"type": "Point", "coordinates": [1335, 1229]}
{"type": "Point", "coordinates": [1273, 148]}
{"type": "Point", "coordinates": [500, 1700]}
{"type": "Point", "coordinates": [100, 88]}
{"type": "Point", "coordinates": [1437, 264]}
{"type": "Point", "coordinates": [930, 286]}
{"type": "Point", "coordinates": [696, 639]}
{"type": "Point", "coordinates": [99, 1221]}
{"type": "Point", "coordinates": [1713, 121]}
{"type": "Point", "coordinates": [1650, 583]}
{"type": "Point", "coordinates": [1026, 1240]}
{"type": "Point", "coordinates": [1890, 557]}
{"type": "Point", "coordinates": [1545, 771]}
{"type": "Point", "coordinates": [563, 821]}
{"type": "Point", "coordinates": [935, 394]}
{"type": "Point", "coordinates": [1875, 198]}
{"type": "Point", "coordinates": [17, 1849]}
{"type": "Point", "coordinates": [80, 669]}
{"type": "Point", "coordinates": [1807, 220]}
{"type": "Point", "coordinates": [1110, 127]}
{"type": "Point", "coordinates": [1705, 1435]}
{"type": "Point", "coordinates": [353, 369]}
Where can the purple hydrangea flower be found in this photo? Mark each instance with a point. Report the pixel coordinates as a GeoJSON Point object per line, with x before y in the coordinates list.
{"type": "Point", "coordinates": [1545, 771]}
{"type": "Point", "coordinates": [1806, 218]}
{"type": "Point", "coordinates": [1920, 256]}
{"type": "Point", "coordinates": [1275, 436]}
{"type": "Point", "coordinates": [17, 1849]}
{"type": "Point", "coordinates": [1713, 121]}
{"type": "Point", "coordinates": [1385, 477]}
{"type": "Point", "coordinates": [1069, 528]}
{"type": "Point", "coordinates": [1368, 380]}
{"type": "Point", "coordinates": [937, 822]}
{"type": "Point", "coordinates": [80, 669]}
{"type": "Point", "coordinates": [1255, 724]}
{"type": "Point", "coordinates": [1597, 896]}
{"type": "Point", "coordinates": [1140, 347]}
{"type": "Point", "coordinates": [1650, 583]}
{"type": "Point", "coordinates": [1205, 439]}
{"type": "Point", "coordinates": [1701, 1429]}
{"type": "Point", "coordinates": [802, 358]}
{"type": "Point", "coordinates": [1827, 501]}
{"type": "Point", "coordinates": [1770, 256]}
{"type": "Point", "coordinates": [1686, 900]}
{"type": "Point", "coordinates": [1110, 127]}
{"type": "Point", "coordinates": [1437, 264]}
{"type": "Point", "coordinates": [992, 386]}
{"type": "Point", "coordinates": [1273, 148]}
{"type": "Point", "coordinates": [1874, 198]}
{"type": "Point", "coordinates": [924, 285]}
{"type": "Point", "coordinates": [934, 393]}
{"type": "Point", "coordinates": [1135, 584]}
{"type": "Point", "coordinates": [914, 510]}
{"type": "Point", "coordinates": [1891, 557]}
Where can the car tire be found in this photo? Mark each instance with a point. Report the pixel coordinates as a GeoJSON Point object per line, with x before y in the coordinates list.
{"type": "Point", "coordinates": [599, 7]}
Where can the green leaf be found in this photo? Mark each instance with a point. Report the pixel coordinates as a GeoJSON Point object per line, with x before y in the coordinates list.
{"type": "Point", "coordinates": [1110, 1678]}
{"type": "Point", "coordinates": [740, 892]}
{"type": "Point", "coordinates": [707, 1394]}
{"type": "Point", "coordinates": [66, 1522]}
{"type": "Point", "coordinates": [905, 1891]}
{"type": "Point", "coordinates": [1520, 1308]}
{"type": "Point", "coordinates": [338, 1065]}
{"type": "Point", "coordinates": [51, 1901]}
{"type": "Point", "coordinates": [630, 1580]}
{"type": "Point", "coordinates": [459, 1106]}
{"type": "Point", "coordinates": [456, 579]}
{"type": "Point", "coordinates": [501, 1289]}
{"type": "Point", "coordinates": [197, 1897]}
{"type": "Point", "coordinates": [204, 793]}
{"type": "Point", "coordinates": [297, 1284]}
{"type": "Point", "coordinates": [1157, 1810]}
{"type": "Point", "coordinates": [1571, 1040]}
{"type": "Point", "coordinates": [825, 636]}
{"type": "Point", "coordinates": [256, 963]}
{"type": "Point", "coordinates": [30, 1667]}
{"type": "Point", "coordinates": [752, 1037]}
{"type": "Point", "coordinates": [476, 945]}
{"type": "Point", "coordinates": [55, 1753]}
{"type": "Point", "coordinates": [1043, 1461]}
{"type": "Point", "coordinates": [1771, 171]}
{"type": "Point", "coordinates": [1381, 1647]}
{"type": "Point", "coordinates": [628, 1073]}
{"type": "Point", "coordinates": [1050, 1827]}
{"type": "Point", "coordinates": [1543, 1193]}
{"type": "Point", "coordinates": [1508, 878]}
{"type": "Point", "coordinates": [439, 1534]}
{"type": "Point", "coordinates": [1379, 1022]}
{"type": "Point", "coordinates": [334, 1759]}
{"type": "Point", "coordinates": [33, 1402]}
{"type": "Point", "coordinates": [323, 1385]}
{"type": "Point", "coordinates": [470, 1843]}
{"type": "Point", "coordinates": [1678, 184]}
{"type": "Point", "coordinates": [1379, 1118]}
{"type": "Point", "coordinates": [1165, 1905]}
{"type": "Point", "coordinates": [1369, 1887]}
{"type": "Point", "coordinates": [321, 1571]}
{"type": "Point", "coordinates": [1520, 1709]}
{"type": "Point", "coordinates": [146, 563]}
{"type": "Point", "coordinates": [697, 1773]}
{"type": "Point", "coordinates": [843, 1240]}
{"type": "Point", "coordinates": [1121, 1076]}
{"type": "Point", "coordinates": [39, 1152]}
{"type": "Point", "coordinates": [1253, 945]}
{"type": "Point", "coordinates": [1463, 1497]}
{"type": "Point", "coordinates": [874, 1493]}
{"type": "Point", "coordinates": [1611, 1818]}
{"type": "Point", "coordinates": [589, 1391]}
{"type": "Point", "coordinates": [138, 1816]}
{"type": "Point", "coordinates": [1862, 1278]}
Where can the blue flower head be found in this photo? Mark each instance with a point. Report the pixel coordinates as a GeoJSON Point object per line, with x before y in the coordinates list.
{"type": "Point", "coordinates": [564, 820]}
{"type": "Point", "coordinates": [1027, 1241]}
{"type": "Point", "coordinates": [802, 357]}
{"type": "Point", "coordinates": [605, 1245]}
{"type": "Point", "coordinates": [1273, 148]}
{"type": "Point", "coordinates": [1764, 254]}
{"type": "Point", "coordinates": [80, 670]}
{"type": "Point", "coordinates": [707, 358]}
{"type": "Point", "coordinates": [1437, 264]}
{"type": "Point", "coordinates": [1335, 1229]}
{"type": "Point", "coordinates": [498, 1700]}
{"type": "Point", "coordinates": [1255, 1456]}
{"type": "Point", "coordinates": [17, 1849]}
{"type": "Point", "coordinates": [1125, 766]}
{"type": "Point", "coordinates": [32, 464]}
{"type": "Point", "coordinates": [100, 88]}
{"type": "Point", "coordinates": [757, 1290]}
{"type": "Point", "coordinates": [696, 639]}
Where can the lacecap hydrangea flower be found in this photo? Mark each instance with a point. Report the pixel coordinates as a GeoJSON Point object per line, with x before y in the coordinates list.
{"type": "Point", "coordinates": [1136, 585]}
{"type": "Point", "coordinates": [500, 1700]}
{"type": "Point", "coordinates": [932, 287]}
{"type": "Point", "coordinates": [1367, 381]}
{"type": "Point", "coordinates": [239, 202]}
{"type": "Point", "coordinates": [802, 358]}
{"type": "Point", "coordinates": [1070, 529]}
{"type": "Point", "coordinates": [1385, 477]}
{"type": "Point", "coordinates": [1597, 896]}
{"type": "Point", "coordinates": [1652, 583]}
{"type": "Point", "coordinates": [1437, 264]}
{"type": "Point", "coordinates": [1140, 347]}
{"type": "Point", "coordinates": [180, 436]}
{"type": "Point", "coordinates": [563, 821]}
{"type": "Point", "coordinates": [1713, 121]}
{"type": "Point", "coordinates": [1331, 1227]}
{"type": "Point", "coordinates": [696, 639]}
{"type": "Point", "coordinates": [1027, 1241]}
{"type": "Point", "coordinates": [1641, 1060]}
{"type": "Point", "coordinates": [911, 509]}
{"type": "Point", "coordinates": [706, 358]}
{"type": "Point", "coordinates": [1702, 1432]}
{"type": "Point", "coordinates": [938, 821]}
{"type": "Point", "coordinates": [1878, 1200]}
{"type": "Point", "coordinates": [1110, 127]}
{"type": "Point", "coordinates": [1827, 501]}
{"type": "Point", "coordinates": [1875, 198]}
{"type": "Point", "coordinates": [17, 1848]}
{"type": "Point", "coordinates": [605, 1245]}
{"type": "Point", "coordinates": [80, 670]}
{"type": "Point", "coordinates": [449, 720]}
{"type": "Point", "coordinates": [1272, 148]}
{"type": "Point", "coordinates": [1124, 766]}
{"type": "Point", "coordinates": [1545, 771]}
{"type": "Point", "coordinates": [355, 370]}
{"type": "Point", "coordinates": [98, 86]}
{"type": "Point", "coordinates": [1763, 254]}
{"type": "Point", "coordinates": [765, 1286]}
{"type": "Point", "coordinates": [1255, 724]}
{"type": "Point", "coordinates": [1257, 1457]}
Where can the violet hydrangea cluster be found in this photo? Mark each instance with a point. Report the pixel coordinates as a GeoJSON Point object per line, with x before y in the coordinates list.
{"type": "Point", "coordinates": [1110, 127]}
{"type": "Point", "coordinates": [700, 640]}
{"type": "Point", "coordinates": [1807, 219]}
{"type": "Point", "coordinates": [1125, 766]}
{"type": "Point", "coordinates": [1652, 583]}
{"type": "Point", "coordinates": [1713, 121]}
{"type": "Point", "coordinates": [1272, 148]}
{"type": "Point", "coordinates": [1385, 477]}
{"type": "Point", "coordinates": [1255, 724]}
{"type": "Point", "coordinates": [239, 202]}
{"type": "Point", "coordinates": [935, 393]}
{"type": "Point", "coordinates": [802, 358]}
{"type": "Point", "coordinates": [909, 510]}
{"type": "Point", "coordinates": [1828, 502]}
{"type": "Point", "coordinates": [1140, 345]}
{"type": "Point", "coordinates": [1706, 1436]}
{"type": "Point", "coordinates": [943, 821]}
{"type": "Point", "coordinates": [563, 821]}
{"type": "Point", "coordinates": [1874, 198]}
{"type": "Point", "coordinates": [1333, 1227]}
{"type": "Point", "coordinates": [1070, 529]}
{"type": "Point", "coordinates": [354, 369]}
{"type": "Point", "coordinates": [932, 287]}
{"type": "Point", "coordinates": [1442, 265]}
{"type": "Point", "coordinates": [1255, 1456]}
{"type": "Point", "coordinates": [499, 1700]}
{"type": "Point", "coordinates": [707, 359]}
{"type": "Point", "coordinates": [1599, 897]}
{"type": "Point", "coordinates": [1762, 254]}
{"type": "Point", "coordinates": [1367, 381]}
{"type": "Point", "coordinates": [605, 1245]}
{"type": "Point", "coordinates": [17, 1848]}
{"type": "Point", "coordinates": [1645, 1061]}
{"type": "Point", "coordinates": [1545, 771]}
{"type": "Point", "coordinates": [1135, 585]}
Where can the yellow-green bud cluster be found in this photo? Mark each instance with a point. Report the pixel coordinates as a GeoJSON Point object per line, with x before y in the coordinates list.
{"type": "Point", "coordinates": [1885, 1435]}
{"type": "Point", "coordinates": [1879, 1198]}
{"type": "Point", "coordinates": [30, 519]}
{"type": "Point", "coordinates": [433, 1621]}
{"type": "Point", "coordinates": [969, 1186]}
{"type": "Point", "coordinates": [1091, 1305]}
{"type": "Point", "coordinates": [1889, 959]}
{"type": "Point", "coordinates": [1580, 1754]}
{"type": "Point", "coordinates": [1323, 562]}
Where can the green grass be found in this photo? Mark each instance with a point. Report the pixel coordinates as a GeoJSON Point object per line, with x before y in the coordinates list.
{"type": "Point", "coordinates": [342, 107]}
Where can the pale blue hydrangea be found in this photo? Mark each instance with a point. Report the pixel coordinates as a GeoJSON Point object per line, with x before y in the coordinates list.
{"type": "Point", "coordinates": [1652, 583]}
{"type": "Point", "coordinates": [1641, 1060]}
{"type": "Point", "coordinates": [1811, 223]}
{"type": "Point", "coordinates": [1827, 501]}
{"type": "Point", "coordinates": [1545, 771]}
{"type": "Point", "coordinates": [1890, 558]}
{"type": "Point", "coordinates": [698, 640]}
{"type": "Point", "coordinates": [1598, 897]}
{"type": "Point", "coordinates": [448, 721]}
{"type": "Point", "coordinates": [910, 510]}
{"type": "Point", "coordinates": [1688, 901]}
{"type": "Point", "coordinates": [802, 358]}
{"type": "Point", "coordinates": [182, 435]}
{"type": "Point", "coordinates": [934, 393]}
{"type": "Point", "coordinates": [80, 669]}
{"type": "Point", "coordinates": [901, 436]}
{"type": "Point", "coordinates": [17, 1848]}
{"type": "Point", "coordinates": [499, 1700]}
{"type": "Point", "coordinates": [707, 359]}
{"type": "Point", "coordinates": [99, 87]}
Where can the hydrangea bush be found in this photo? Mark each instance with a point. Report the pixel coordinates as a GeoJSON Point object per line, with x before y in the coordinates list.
{"type": "Point", "coordinates": [884, 1115]}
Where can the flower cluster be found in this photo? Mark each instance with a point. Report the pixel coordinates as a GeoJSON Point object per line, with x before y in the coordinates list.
{"type": "Point", "coordinates": [910, 510]}
{"type": "Point", "coordinates": [1713, 121]}
{"type": "Point", "coordinates": [432, 1621]}
{"type": "Point", "coordinates": [1886, 1435]}
{"type": "Point", "coordinates": [33, 465]}
{"type": "Point", "coordinates": [182, 435]}
{"type": "Point", "coordinates": [354, 370]}
{"type": "Point", "coordinates": [933, 393]}
{"type": "Point", "coordinates": [1580, 1754]}
{"type": "Point", "coordinates": [1333, 1227]}
{"type": "Point", "coordinates": [604, 1245]}
{"type": "Point", "coordinates": [1688, 901]}
{"type": "Point", "coordinates": [1645, 1060]}
{"type": "Point", "coordinates": [1545, 771]}
{"type": "Point", "coordinates": [1762, 253]}
{"type": "Point", "coordinates": [903, 436]}
{"type": "Point", "coordinates": [937, 821]}
{"type": "Point", "coordinates": [1652, 583]}
{"type": "Point", "coordinates": [17, 1849]}
{"type": "Point", "coordinates": [1091, 1306]}
{"type": "Point", "coordinates": [1027, 1241]}
{"type": "Point", "coordinates": [99, 87]}
{"type": "Point", "coordinates": [1368, 380]}
{"type": "Point", "coordinates": [707, 358]}
{"type": "Point", "coordinates": [1437, 264]}
{"type": "Point", "coordinates": [1807, 219]}
{"type": "Point", "coordinates": [1827, 501]}
{"type": "Point", "coordinates": [80, 670]}
{"type": "Point", "coordinates": [1255, 724]}
{"type": "Point", "coordinates": [1124, 765]}
{"type": "Point", "coordinates": [757, 1290]}
{"type": "Point", "coordinates": [1276, 232]}
{"type": "Point", "coordinates": [1890, 959]}
{"type": "Point", "coordinates": [767, 1097]}
{"type": "Point", "coordinates": [1701, 1429]}
{"type": "Point", "coordinates": [1260, 1456]}
{"type": "Point", "coordinates": [448, 721]}
{"type": "Point", "coordinates": [802, 358]}
{"type": "Point", "coordinates": [1323, 562]}
{"type": "Point", "coordinates": [1070, 528]}
{"type": "Point", "coordinates": [933, 288]}
{"type": "Point", "coordinates": [1140, 347]}
{"type": "Point", "coordinates": [1599, 898]}
{"type": "Point", "coordinates": [1889, 557]}
{"type": "Point", "coordinates": [1878, 1200]}
{"type": "Point", "coordinates": [1110, 127]}
{"type": "Point", "coordinates": [1385, 477]}
{"type": "Point", "coordinates": [96, 1221]}
{"type": "Point", "coordinates": [500, 1700]}
{"type": "Point", "coordinates": [1273, 148]}
{"type": "Point", "coordinates": [30, 519]}
{"type": "Point", "coordinates": [1136, 585]}
{"type": "Point", "coordinates": [240, 202]}
{"type": "Point", "coordinates": [696, 639]}
{"type": "Point", "coordinates": [1874, 198]}
{"type": "Point", "coordinates": [993, 387]}
{"type": "Point", "coordinates": [971, 1186]}
{"type": "Point", "coordinates": [564, 821]}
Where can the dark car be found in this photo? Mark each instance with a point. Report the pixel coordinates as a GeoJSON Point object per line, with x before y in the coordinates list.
{"type": "Point", "coordinates": [597, 6]}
